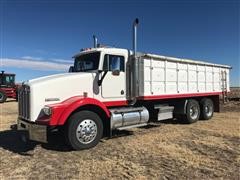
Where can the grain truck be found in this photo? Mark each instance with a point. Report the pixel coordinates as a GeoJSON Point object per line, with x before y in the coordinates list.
{"type": "Point", "coordinates": [111, 89]}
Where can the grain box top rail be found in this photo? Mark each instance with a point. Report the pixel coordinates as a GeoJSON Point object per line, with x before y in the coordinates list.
{"type": "Point", "coordinates": [184, 60]}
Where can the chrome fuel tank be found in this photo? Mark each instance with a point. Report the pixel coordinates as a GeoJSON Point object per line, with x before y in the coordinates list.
{"type": "Point", "coordinates": [125, 117]}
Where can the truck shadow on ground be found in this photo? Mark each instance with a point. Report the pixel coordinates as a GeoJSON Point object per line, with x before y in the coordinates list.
{"type": "Point", "coordinates": [11, 140]}
{"type": "Point", "coordinates": [173, 121]}
{"type": "Point", "coordinates": [56, 140]}
{"type": "Point", "coordinates": [10, 100]}
{"type": "Point", "coordinates": [156, 124]}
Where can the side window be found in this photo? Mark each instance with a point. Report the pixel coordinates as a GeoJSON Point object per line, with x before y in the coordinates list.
{"type": "Point", "coordinates": [113, 62]}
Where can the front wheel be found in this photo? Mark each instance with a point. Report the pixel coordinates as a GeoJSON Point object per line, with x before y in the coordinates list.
{"type": "Point", "coordinates": [84, 130]}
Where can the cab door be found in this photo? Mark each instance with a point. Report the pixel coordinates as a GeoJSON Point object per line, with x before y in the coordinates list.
{"type": "Point", "coordinates": [114, 83]}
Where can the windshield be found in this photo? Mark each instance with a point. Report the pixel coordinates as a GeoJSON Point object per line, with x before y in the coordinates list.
{"type": "Point", "coordinates": [87, 62]}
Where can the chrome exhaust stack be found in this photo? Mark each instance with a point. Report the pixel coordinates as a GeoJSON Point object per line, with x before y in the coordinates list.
{"type": "Point", "coordinates": [94, 41]}
{"type": "Point", "coordinates": [135, 24]}
{"type": "Point", "coordinates": [133, 68]}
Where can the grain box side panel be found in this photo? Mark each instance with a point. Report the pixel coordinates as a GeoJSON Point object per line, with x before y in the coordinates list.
{"type": "Point", "coordinates": [171, 78]}
{"type": "Point", "coordinates": [164, 77]}
{"type": "Point", "coordinates": [146, 81]}
{"type": "Point", "coordinates": [201, 75]}
{"type": "Point", "coordinates": [192, 70]}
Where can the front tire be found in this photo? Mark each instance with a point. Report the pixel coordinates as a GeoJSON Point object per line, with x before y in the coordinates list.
{"type": "Point", "coordinates": [192, 111]}
{"type": "Point", "coordinates": [207, 109]}
{"type": "Point", "coordinates": [84, 130]}
{"type": "Point", "coordinates": [3, 97]}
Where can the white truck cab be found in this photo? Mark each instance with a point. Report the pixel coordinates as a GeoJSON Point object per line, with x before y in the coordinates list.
{"type": "Point", "coordinates": [111, 61]}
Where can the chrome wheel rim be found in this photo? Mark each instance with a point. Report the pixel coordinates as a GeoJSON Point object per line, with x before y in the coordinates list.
{"type": "Point", "coordinates": [208, 110]}
{"type": "Point", "coordinates": [194, 112]}
{"type": "Point", "coordinates": [86, 131]}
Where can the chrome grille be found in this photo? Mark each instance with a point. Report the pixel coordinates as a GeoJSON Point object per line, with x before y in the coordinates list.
{"type": "Point", "coordinates": [24, 102]}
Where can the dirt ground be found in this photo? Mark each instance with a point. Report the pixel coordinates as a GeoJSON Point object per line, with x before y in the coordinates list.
{"type": "Point", "coordinates": [168, 150]}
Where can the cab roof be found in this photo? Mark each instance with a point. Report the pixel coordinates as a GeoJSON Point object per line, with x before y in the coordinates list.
{"type": "Point", "coordinates": [102, 49]}
{"type": "Point", "coordinates": [148, 55]}
{"type": "Point", "coordinates": [8, 74]}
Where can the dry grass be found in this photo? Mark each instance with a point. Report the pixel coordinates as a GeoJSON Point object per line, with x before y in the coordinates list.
{"type": "Point", "coordinates": [170, 150]}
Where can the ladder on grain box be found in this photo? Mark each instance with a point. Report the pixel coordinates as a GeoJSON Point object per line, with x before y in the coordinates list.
{"type": "Point", "coordinates": [224, 86]}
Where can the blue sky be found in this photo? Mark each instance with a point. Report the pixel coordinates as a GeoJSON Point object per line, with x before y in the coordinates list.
{"type": "Point", "coordinates": [39, 37]}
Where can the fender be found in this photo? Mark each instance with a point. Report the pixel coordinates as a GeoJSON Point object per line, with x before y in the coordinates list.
{"type": "Point", "coordinates": [62, 111]}
{"type": "Point", "coordinates": [180, 106]}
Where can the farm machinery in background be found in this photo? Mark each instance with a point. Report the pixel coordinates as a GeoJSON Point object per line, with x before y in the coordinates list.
{"type": "Point", "coordinates": [8, 88]}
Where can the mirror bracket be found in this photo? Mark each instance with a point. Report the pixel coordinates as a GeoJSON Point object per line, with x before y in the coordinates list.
{"type": "Point", "coordinates": [101, 80]}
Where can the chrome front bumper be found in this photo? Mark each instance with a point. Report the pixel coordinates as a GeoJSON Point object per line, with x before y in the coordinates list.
{"type": "Point", "coordinates": [35, 132]}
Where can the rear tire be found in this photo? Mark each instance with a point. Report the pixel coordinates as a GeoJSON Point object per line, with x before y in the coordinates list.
{"type": "Point", "coordinates": [207, 109]}
{"type": "Point", "coordinates": [192, 111]}
{"type": "Point", "coordinates": [3, 97]}
{"type": "Point", "coordinates": [84, 130]}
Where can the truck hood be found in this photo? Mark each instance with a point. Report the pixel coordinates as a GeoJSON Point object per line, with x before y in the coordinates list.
{"type": "Point", "coordinates": [57, 88]}
{"type": "Point", "coordinates": [52, 77]}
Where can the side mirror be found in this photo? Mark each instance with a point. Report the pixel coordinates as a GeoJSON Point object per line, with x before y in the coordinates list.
{"type": "Point", "coordinates": [116, 72]}
{"type": "Point", "coordinates": [71, 69]}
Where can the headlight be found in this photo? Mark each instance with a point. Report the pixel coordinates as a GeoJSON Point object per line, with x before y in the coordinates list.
{"type": "Point", "coordinates": [47, 110]}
